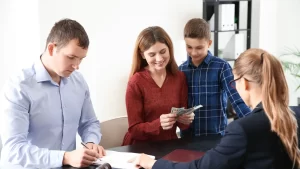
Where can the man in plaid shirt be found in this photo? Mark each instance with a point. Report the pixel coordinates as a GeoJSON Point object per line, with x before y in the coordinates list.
{"type": "Point", "coordinates": [210, 83]}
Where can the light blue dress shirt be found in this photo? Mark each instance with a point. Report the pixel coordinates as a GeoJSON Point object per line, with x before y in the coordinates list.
{"type": "Point", "coordinates": [39, 118]}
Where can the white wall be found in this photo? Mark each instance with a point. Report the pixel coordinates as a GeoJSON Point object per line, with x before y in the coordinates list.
{"type": "Point", "coordinates": [113, 27]}
{"type": "Point", "coordinates": [2, 14]}
{"type": "Point", "coordinates": [268, 25]}
{"type": "Point", "coordinates": [20, 35]}
{"type": "Point", "coordinates": [288, 25]}
{"type": "Point", "coordinates": [278, 30]}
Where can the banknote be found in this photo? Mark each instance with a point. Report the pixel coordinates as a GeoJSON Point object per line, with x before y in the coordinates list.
{"type": "Point", "coordinates": [181, 111]}
{"type": "Point", "coordinates": [176, 110]}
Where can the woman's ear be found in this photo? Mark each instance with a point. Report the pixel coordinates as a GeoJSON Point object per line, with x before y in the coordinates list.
{"type": "Point", "coordinates": [142, 54]}
{"type": "Point", "coordinates": [246, 85]}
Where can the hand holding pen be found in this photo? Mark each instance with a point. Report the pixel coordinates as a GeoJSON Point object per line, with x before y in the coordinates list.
{"type": "Point", "coordinates": [103, 165]}
{"type": "Point", "coordinates": [80, 157]}
{"type": "Point", "coordinates": [97, 148]}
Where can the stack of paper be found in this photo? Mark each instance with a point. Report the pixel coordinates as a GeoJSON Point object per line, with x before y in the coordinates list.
{"type": "Point", "coordinates": [119, 159]}
{"type": "Point", "coordinates": [235, 46]}
{"type": "Point", "coordinates": [226, 17]}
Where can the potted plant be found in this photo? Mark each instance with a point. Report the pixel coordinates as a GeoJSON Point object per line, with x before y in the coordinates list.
{"type": "Point", "coordinates": [292, 67]}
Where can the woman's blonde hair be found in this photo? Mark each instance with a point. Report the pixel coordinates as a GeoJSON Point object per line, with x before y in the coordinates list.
{"type": "Point", "coordinates": [147, 38]}
{"type": "Point", "coordinates": [264, 69]}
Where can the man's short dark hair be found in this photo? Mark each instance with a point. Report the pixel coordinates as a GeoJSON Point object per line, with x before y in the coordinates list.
{"type": "Point", "coordinates": [66, 30]}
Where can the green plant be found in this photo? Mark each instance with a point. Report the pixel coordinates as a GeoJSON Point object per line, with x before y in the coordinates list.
{"type": "Point", "coordinates": [292, 67]}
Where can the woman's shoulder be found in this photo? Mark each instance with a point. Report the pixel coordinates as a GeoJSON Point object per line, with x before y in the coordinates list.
{"type": "Point", "coordinates": [138, 76]}
{"type": "Point", "coordinates": [255, 122]}
{"type": "Point", "coordinates": [179, 74]}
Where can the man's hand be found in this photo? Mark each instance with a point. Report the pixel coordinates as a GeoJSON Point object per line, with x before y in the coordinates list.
{"type": "Point", "coordinates": [80, 158]}
{"type": "Point", "coordinates": [97, 148]}
{"type": "Point", "coordinates": [186, 118]}
{"type": "Point", "coordinates": [167, 121]}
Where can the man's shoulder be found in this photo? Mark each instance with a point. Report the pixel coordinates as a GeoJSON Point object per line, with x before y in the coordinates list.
{"type": "Point", "coordinates": [76, 75]}
{"type": "Point", "coordinates": [17, 85]}
{"type": "Point", "coordinates": [22, 76]}
{"type": "Point", "coordinates": [184, 66]}
{"type": "Point", "coordinates": [219, 61]}
{"type": "Point", "coordinates": [77, 78]}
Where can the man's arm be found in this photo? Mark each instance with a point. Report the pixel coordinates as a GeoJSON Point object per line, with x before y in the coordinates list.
{"type": "Point", "coordinates": [183, 103]}
{"type": "Point", "coordinates": [15, 105]}
{"type": "Point", "coordinates": [235, 99]}
{"type": "Point", "coordinates": [89, 125]}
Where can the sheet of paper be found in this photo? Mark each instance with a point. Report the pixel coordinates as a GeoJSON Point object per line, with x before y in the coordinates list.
{"type": "Point", "coordinates": [119, 159]}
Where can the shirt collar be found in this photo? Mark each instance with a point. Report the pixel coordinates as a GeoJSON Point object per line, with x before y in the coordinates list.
{"type": "Point", "coordinates": [207, 59]}
{"type": "Point", "coordinates": [42, 74]}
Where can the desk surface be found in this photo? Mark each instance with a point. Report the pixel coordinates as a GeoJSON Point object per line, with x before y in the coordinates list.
{"type": "Point", "coordinates": [162, 148]}
{"type": "Point", "coordinates": [159, 149]}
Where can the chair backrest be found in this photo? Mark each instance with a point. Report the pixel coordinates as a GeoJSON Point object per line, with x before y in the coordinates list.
{"type": "Point", "coordinates": [113, 132]}
{"type": "Point", "coordinates": [296, 109]}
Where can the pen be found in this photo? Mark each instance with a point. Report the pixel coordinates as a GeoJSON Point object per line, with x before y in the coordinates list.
{"type": "Point", "coordinates": [82, 143]}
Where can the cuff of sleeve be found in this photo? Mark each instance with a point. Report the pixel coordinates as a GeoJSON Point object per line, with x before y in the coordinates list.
{"type": "Point", "coordinates": [160, 164]}
{"type": "Point", "coordinates": [56, 157]}
{"type": "Point", "coordinates": [183, 126]}
{"type": "Point", "coordinates": [92, 139]}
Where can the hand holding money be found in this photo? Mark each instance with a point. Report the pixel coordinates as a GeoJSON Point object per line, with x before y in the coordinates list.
{"type": "Point", "coordinates": [181, 111]}
{"type": "Point", "coordinates": [167, 121]}
{"type": "Point", "coordinates": [186, 118]}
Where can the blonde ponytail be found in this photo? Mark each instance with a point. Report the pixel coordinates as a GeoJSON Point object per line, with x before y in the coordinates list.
{"type": "Point", "coordinates": [276, 105]}
{"type": "Point", "coordinates": [265, 70]}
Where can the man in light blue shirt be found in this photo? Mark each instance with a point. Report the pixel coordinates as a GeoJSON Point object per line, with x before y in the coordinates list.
{"type": "Point", "coordinates": [44, 106]}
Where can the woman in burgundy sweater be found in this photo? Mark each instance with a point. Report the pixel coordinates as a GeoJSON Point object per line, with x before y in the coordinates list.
{"type": "Point", "coordinates": [155, 86]}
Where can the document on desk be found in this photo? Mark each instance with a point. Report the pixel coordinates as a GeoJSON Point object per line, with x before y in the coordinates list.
{"type": "Point", "coordinates": [119, 159]}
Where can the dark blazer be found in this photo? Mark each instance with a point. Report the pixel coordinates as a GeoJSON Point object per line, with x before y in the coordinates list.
{"type": "Point", "coordinates": [248, 143]}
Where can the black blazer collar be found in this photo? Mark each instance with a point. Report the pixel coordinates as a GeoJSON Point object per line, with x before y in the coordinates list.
{"type": "Point", "coordinates": [258, 108]}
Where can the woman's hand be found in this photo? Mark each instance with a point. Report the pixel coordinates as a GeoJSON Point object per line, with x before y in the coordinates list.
{"type": "Point", "coordinates": [186, 118]}
{"type": "Point", "coordinates": [143, 160]}
{"type": "Point", "coordinates": [167, 121]}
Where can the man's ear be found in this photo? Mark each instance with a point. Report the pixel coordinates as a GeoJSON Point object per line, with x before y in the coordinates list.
{"type": "Point", "coordinates": [209, 43]}
{"type": "Point", "coordinates": [51, 48]}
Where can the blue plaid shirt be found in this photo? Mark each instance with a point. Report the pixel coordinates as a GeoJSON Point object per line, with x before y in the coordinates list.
{"type": "Point", "coordinates": [208, 85]}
